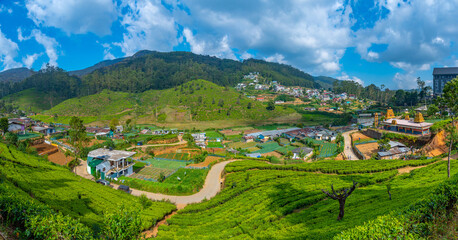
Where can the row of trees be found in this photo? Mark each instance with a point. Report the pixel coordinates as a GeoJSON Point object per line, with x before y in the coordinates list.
{"type": "Point", "coordinates": [384, 95]}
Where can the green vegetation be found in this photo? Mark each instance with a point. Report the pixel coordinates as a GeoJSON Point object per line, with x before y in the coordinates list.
{"type": "Point", "coordinates": [290, 204]}
{"type": "Point", "coordinates": [182, 182]}
{"type": "Point", "coordinates": [69, 194]}
{"type": "Point", "coordinates": [195, 100]}
{"type": "Point", "coordinates": [32, 100]}
{"type": "Point", "coordinates": [213, 135]}
{"type": "Point", "coordinates": [215, 145]}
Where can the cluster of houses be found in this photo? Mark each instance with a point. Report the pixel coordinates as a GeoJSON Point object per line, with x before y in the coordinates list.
{"type": "Point", "coordinates": [317, 133]}
{"type": "Point", "coordinates": [23, 125]}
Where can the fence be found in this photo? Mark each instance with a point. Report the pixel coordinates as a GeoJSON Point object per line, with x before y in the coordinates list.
{"type": "Point", "coordinates": [356, 150]}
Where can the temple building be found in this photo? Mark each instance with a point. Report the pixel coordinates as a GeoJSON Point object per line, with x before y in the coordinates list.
{"type": "Point", "coordinates": [418, 126]}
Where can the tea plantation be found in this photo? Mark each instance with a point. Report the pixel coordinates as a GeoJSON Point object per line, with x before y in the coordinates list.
{"type": "Point", "coordinates": [61, 190]}
{"type": "Point", "coordinates": [265, 201]}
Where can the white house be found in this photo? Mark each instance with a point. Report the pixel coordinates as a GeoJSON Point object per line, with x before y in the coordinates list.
{"type": "Point", "coordinates": [110, 163]}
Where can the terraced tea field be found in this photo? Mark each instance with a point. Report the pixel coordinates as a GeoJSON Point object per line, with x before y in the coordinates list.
{"type": "Point", "coordinates": [270, 201]}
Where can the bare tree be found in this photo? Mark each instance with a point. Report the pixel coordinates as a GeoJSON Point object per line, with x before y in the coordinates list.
{"type": "Point", "coordinates": [341, 196]}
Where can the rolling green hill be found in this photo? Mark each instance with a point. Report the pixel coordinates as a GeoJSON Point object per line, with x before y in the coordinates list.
{"type": "Point", "coordinates": [32, 100]}
{"type": "Point", "coordinates": [30, 179]}
{"type": "Point", "coordinates": [197, 100]}
{"type": "Point", "coordinates": [286, 201]}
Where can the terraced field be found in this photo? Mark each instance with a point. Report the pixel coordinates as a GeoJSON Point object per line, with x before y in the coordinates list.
{"type": "Point", "coordinates": [288, 204]}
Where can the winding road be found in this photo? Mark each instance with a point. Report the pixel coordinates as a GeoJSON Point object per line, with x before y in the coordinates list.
{"type": "Point", "coordinates": [211, 187]}
{"type": "Point", "coordinates": [348, 150]}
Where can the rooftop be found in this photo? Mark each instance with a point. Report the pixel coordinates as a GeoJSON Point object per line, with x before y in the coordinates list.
{"type": "Point", "coordinates": [447, 70]}
{"type": "Point", "coordinates": [111, 155]}
{"type": "Point", "coordinates": [408, 123]}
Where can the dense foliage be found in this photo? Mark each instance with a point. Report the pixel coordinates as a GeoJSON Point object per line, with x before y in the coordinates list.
{"type": "Point", "coordinates": [148, 70]}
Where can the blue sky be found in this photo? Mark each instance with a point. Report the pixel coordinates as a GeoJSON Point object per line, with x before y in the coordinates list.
{"type": "Point", "coordinates": [390, 42]}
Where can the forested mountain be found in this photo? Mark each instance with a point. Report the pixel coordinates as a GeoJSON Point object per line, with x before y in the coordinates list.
{"type": "Point", "coordinates": [101, 64]}
{"type": "Point", "coordinates": [325, 82]}
{"type": "Point", "coordinates": [156, 70]}
{"type": "Point", "coordinates": [15, 74]}
{"type": "Point", "coordinates": [149, 70]}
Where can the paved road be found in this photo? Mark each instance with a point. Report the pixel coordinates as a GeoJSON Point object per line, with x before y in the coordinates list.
{"type": "Point", "coordinates": [348, 150]}
{"type": "Point", "coordinates": [211, 187]}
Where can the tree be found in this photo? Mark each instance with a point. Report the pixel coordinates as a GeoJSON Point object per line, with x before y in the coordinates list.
{"type": "Point", "coordinates": [270, 105]}
{"type": "Point", "coordinates": [388, 189]}
{"type": "Point", "coordinates": [11, 138]}
{"type": "Point", "coordinates": [341, 196]}
{"type": "Point", "coordinates": [384, 144]}
{"type": "Point", "coordinates": [221, 103]}
{"type": "Point", "coordinates": [113, 123]}
{"type": "Point", "coordinates": [449, 100]}
{"type": "Point", "coordinates": [78, 137]}
{"type": "Point", "coordinates": [432, 110]}
{"type": "Point", "coordinates": [4, 125]}
{"type": "Point", "coordinates": [249, 105]}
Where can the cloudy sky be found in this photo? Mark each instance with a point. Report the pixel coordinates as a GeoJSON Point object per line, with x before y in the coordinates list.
{"type": "Point", "coordinates": [390, 42]}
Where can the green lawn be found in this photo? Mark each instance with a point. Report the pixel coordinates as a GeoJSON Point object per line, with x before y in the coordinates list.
{"type": "Point", "coordinates": [213, 135]}
{"type": "Point", "coordinates": [159, 163]}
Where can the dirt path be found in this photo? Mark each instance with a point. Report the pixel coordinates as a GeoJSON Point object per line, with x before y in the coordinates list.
{"type": "Point", "coordinates": [348, 150]}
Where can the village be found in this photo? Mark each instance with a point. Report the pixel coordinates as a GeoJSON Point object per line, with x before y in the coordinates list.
{"type": "Point", "coordinates": [137, 154]}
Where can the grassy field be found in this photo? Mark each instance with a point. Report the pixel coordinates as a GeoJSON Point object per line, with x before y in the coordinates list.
{"type": "Point", "coordinates": [215, 145]}
{"type": "Point", "coordinates": [72, 195]}
{"type": "Point", "coordinates": [269, 203]}
{"type": "Point", "coordinates": [32, 100]}
{"type": "Point", "coordinates": [208, 101]}
{"type": "Point", "coordinates": [176, 156]}
{"type": "Point", "coordinates": [213, 135]}
{"type": "Point", "coordinates": [166, 163]}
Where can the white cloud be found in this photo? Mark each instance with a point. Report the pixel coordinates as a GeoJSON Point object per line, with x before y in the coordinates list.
{"type": "Point", "coordinates": [278, 58]}
{"type": "Point", "coordinates": [405, 80]}
{"type": "Point", "coordinates": [219, 48]}
{"type": "Point", "coordinates": [74, 16]}
{"type": "Point", "coordinates": [311, 35]}
{"type": "Point", "coordinates": [30, 59]}
{"type": "Point", "coordinates": [50, 45]}
{"type": "Point", "coordinates": [107, 55]}
{"type": "Point", "coordinates": [414, 34]}
{"type": "Point", "coordinates": [345, 77]}
{"type": "Point", "coordinates": [8, 51]}
{"type": "Point", "coordinates": [149, 25]}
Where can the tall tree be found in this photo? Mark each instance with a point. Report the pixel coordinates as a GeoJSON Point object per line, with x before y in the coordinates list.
{"type": "Point", "coordinates": [449, 100]}
{"type": "Point", "coordinates": [4, 125]}
{"type": "Point", "coordinates": [78, 137]}
{"type": "Point", "coordinates": [341, 196]}
{"type": "Point", "coordinates": [270, 105]}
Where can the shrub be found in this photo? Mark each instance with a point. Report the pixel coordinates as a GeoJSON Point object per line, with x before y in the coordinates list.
{"type": "Point", "coordinates": [122, 224]}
